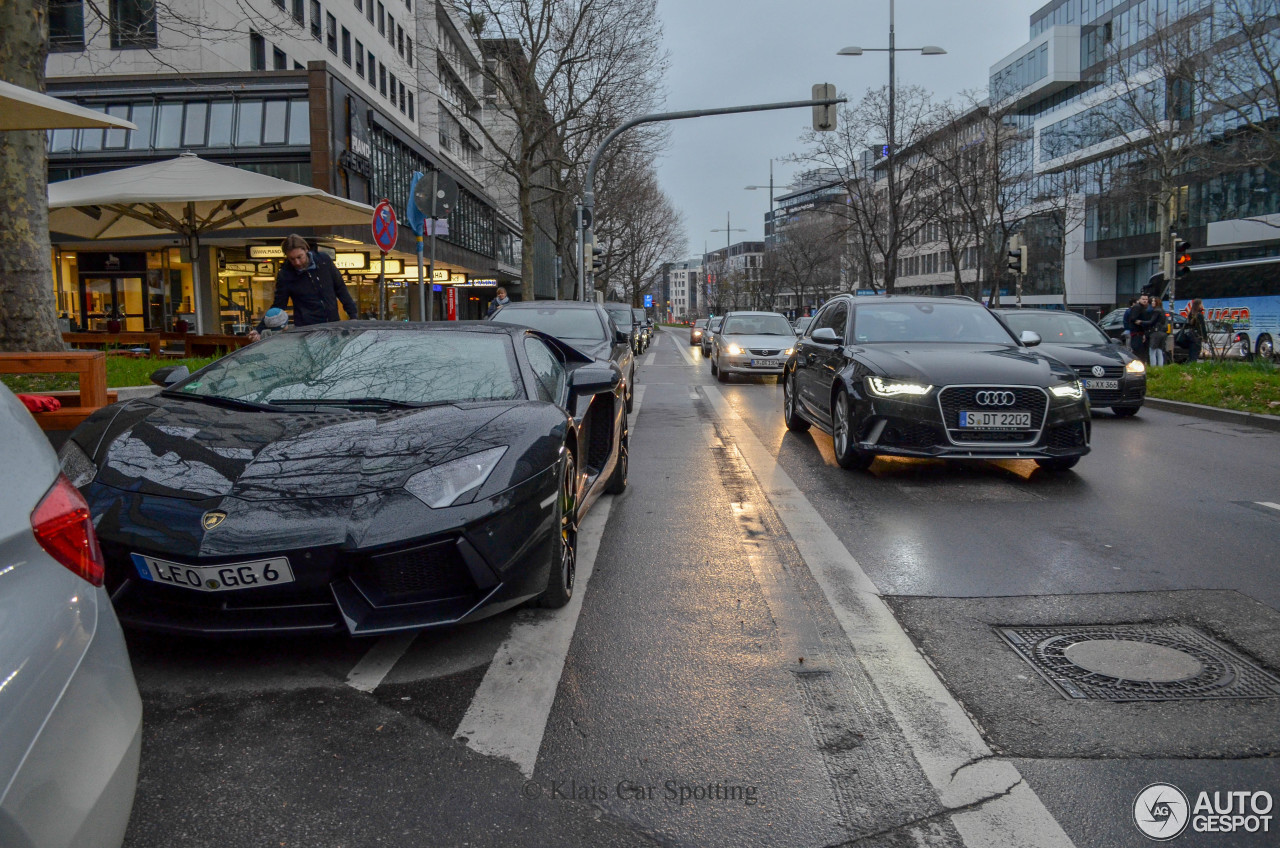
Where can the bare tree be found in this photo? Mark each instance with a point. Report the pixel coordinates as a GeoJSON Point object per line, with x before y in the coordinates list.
{"type": "Point", "coordinates": [29, 318]}
{"type": "Point", "coordinates": [559, 70]}
{"type": "Point", "coordinates": [806, 257]}
{"type": "Point", "coordinates": [638, 226]}
{"type": "Point", "coordinates": [885, 209]}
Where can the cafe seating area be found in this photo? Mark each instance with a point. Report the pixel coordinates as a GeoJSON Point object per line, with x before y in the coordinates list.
{"type": "Point", "coordinates": [156, 344]}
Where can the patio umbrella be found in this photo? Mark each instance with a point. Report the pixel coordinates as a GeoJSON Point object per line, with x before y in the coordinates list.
{"type": "Point", "coordinates": [23, 109]}
{"type": "Point", "coordinates": [190, 197]}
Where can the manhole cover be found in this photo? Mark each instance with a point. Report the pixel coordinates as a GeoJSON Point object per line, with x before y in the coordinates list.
{"type": "Point", "coordinates": [1138, 663]}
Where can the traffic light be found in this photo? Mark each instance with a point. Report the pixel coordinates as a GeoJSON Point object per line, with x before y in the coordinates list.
{"type": "Point", "coordinates": [597, 263]}
{"type": "Point", "coordinates": [1182, 257]}
{"type": "Point", "coordinates": [824, 117]}
{"type": "Point", "coordinates": [1018, 260]}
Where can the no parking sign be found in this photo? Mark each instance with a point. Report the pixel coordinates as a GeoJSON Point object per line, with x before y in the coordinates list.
{"type": "Point", "coordinates": [385, 227]}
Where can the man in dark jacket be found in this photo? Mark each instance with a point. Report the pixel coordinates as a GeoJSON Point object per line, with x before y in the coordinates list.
{"type": "Point", "coordinates": [311, 280]}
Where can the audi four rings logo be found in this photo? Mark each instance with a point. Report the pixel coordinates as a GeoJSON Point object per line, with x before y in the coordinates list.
{"type": "Point", "coordinates": [995, 398]}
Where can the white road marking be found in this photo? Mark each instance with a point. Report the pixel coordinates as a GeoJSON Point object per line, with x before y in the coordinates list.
{"type": "Point", "coordinates": [508, 714]}
{"type": "Point", "coordinates": [945, 743]}
{"type": "Point", "coordinates": [684, 352]}
{"type": "Point", "coordinates": [1268, 503]}
{"type": "Point", "coordinates": [380, 659]}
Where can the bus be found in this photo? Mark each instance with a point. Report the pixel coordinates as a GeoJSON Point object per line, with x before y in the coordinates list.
{"type": "Point", "coordinates": [1244, 293]}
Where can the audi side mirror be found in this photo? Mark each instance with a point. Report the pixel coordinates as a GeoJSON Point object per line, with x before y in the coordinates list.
{"type": "Point", "coordinates": [1030, 338]}
{"type": "Point", "coordinates": [826, 335]}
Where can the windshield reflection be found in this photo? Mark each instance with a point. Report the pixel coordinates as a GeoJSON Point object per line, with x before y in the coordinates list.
{"type": "Point", "coordinates": [398, 367]}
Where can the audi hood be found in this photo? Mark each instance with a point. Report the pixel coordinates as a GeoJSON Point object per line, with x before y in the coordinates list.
{"type": "Point", "coordinates": [958, 364]}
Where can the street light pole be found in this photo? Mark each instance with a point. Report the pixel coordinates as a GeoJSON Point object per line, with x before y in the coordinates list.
{"type": "Point", "coordinates": [728, 231]}
{"type": "Point", "coordinates": [891, 253]}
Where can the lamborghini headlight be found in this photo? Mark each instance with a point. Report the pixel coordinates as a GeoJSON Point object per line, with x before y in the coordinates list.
{"type": "Point", "coordinates": [76, 464]}
{"type": "Point", "coordinates": [446, 484]}
{"type": "Point", "coordinates": [1070, 391]}
{"type": "Point", "coordinates": [895, 388]}
{"type": "Point", "coordinates": [733, 350]}
{"type": "Point", "coordinates": [1136, 367]}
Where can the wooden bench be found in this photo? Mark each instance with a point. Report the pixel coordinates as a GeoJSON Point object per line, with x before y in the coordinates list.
{"type": "Point", "coordinates": [151, 341]}
{"type": "Point", "coordinates": [208, 344]}
{"type": "Point", "coordinates": [89, 365]}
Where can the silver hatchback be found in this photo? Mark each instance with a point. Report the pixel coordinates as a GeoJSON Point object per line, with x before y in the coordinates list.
{"type": "Point", "coordinates": [70, 715]}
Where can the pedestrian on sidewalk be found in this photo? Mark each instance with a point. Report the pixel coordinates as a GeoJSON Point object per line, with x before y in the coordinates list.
{"type": "Point", "coordinates": [1142, 320]}
{"type": "Point", "coordinates": [1197, 327]}
{"type": "Point", "coordinates": [314, 284]}
{"type": "Point", "coordinates": [1158, 335]}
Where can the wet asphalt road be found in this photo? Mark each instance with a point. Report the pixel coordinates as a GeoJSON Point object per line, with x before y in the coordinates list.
{"type": "Point", "coordinates": [680, 712]}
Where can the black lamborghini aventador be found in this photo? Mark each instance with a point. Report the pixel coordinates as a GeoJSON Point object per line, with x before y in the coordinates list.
{"type": "Point", "coordinates": [932, 377]}
{"type": "Point", "coordinates": [357, 476]}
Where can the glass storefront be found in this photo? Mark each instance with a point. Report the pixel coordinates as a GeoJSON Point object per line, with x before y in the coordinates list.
{"type": "Point", "coordinates": [120, 291]}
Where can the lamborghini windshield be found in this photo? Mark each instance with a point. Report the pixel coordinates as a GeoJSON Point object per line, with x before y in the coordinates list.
{"type": "Point", "coordinates": [397, 367]}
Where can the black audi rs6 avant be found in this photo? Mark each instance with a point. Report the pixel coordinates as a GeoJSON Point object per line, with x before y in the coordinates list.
{"type": "Point", "coordinates": [358, 476]}
{"type": "Point", "coordinates": [932, 377]}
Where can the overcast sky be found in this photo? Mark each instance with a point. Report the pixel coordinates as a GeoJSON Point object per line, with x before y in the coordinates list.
{"type": "Point", "coordinates": [738, 52]}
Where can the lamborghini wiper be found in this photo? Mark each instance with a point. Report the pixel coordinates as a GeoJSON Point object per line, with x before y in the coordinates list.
{"type": "Point", "coordinates": [219, 400]}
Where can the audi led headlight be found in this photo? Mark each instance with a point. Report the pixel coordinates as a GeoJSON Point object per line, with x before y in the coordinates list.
{"type": "Point", "coordinates": [449, 483]}
{"type": "Point", "coordinates": [895, 388]}
{"type": "Point", "coordinates": [1135, 367]}
{"type": "Point", "coordinates": [1072, 391]}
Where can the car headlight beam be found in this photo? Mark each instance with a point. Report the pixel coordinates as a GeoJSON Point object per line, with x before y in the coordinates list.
{"type": "Point", "coordinates": [895, 388]}
{"type": "Point", "coordinates": [76, 464]}
{"type": "Point", "coordinates": [446, 484]}
{"type": "Point", "coordinates": [733, 350]}
{"type": "Point", "coordinates": [1071, 391]}
{"type": "Point", "coordinates": [1135, 367]}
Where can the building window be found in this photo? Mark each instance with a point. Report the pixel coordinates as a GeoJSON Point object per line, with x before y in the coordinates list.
{"type": "Point", "coordinates": [66, 25]}
{"type": "Point", "coordinates": [315, 20]}
{"type": "Point", "coordinates": [402, 98]}
{"type": "Point", "coordinates": [382, 80]}
{"type": "Point", "coordinates": [299, 12]}
{"type": "Point", "coordinates": [382, 21]}
{"type": "Point", "coordinates": [409, 43]}
{"type": "Point", "coordinates": [359, 5]}
{"type": "Point", "coordinates": [359, 59]}
{"type": "Point", "coordinates": [373, 68]}
{"type": "Point", "coordinates": [297, 66]}
{"type": "Point", "coordinates": [368, 10]}
{"type": "Point", "coordinates": [331, 33]}
{"type": "Point", "coordinates": [346, 46]}
{"type": "Point", "coordinates": [279, 61]}
{"type": "Point", "coordinates": [411, 117]}
{"type": "Point", "coordinates": [133, 23]}
{"type": "Point", "coordinates": [400, 41]}
{"type": "Point", "coordinates": [257, 52]}
{"type": "Point", "coordinates": [392, 95]}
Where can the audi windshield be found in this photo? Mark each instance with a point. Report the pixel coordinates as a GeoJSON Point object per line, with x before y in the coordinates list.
{"type": "Point", "coordinates": [956, 323]}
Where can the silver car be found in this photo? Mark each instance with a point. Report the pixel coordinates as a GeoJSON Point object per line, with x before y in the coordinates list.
{"type": "Point", "coordinates": [751, 343]}
{"type": "Point", "coordinates": [713, 326]}
{"type": "Point", "coordinates": [70, 715]}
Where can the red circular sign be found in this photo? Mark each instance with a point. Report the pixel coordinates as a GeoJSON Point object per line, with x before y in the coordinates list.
{"type": "Point", "coordinates": [385, 227]}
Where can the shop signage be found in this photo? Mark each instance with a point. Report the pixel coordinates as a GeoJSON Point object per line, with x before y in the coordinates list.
{"type": "Point", "coordinates": [440, 275]}
{"type": "Point", "coordinates": [112, 262]}
{"type": "Point", "coordinates": [451, 304]}
{"type": "Point", "coordinates": [351, 261]}
{"type": "Point", "coordinates": [483, 283]}
{"type": "Point", "coordinates": [243, 267]}
{"type": "Point", "coordinates": [266, 251]}
{"type": "Point", "coordinates": [266, 268]}
{"type": "Point", "coordinates": [392, 267]}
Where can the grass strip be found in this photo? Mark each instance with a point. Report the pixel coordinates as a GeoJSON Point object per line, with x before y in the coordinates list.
{"type": "Point", "coordinates": [1243, 386]}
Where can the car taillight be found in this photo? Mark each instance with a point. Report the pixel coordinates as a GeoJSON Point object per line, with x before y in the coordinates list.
{"type": "Point", "coordinates": [63, 527]}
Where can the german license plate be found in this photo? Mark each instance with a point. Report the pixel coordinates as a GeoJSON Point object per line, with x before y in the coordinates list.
{"type": "Point", "coordinates": [215, 578]}
{"type": "Point", "coordinates": [1102, 384]}
{"type": "Point", "coordinates": [996, 420]}
{"type": "Point", "coordinates": [766, 363]}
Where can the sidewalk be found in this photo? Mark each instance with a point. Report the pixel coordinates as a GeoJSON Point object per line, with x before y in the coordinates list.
{"type": "Point", "coordinates": [1214, 413]}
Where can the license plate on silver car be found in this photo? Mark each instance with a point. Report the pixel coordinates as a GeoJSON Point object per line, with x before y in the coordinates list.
{"type": "Point", "coordinates": [215, 578]}
{"type": "Point", "coordinates": [995, 420]}
{"type": "Point", "coordinates": [1102, 384]}
{"type": "Point", "coordinates": [766, 363]}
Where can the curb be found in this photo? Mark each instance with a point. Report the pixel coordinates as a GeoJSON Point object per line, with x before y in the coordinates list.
{"type": "Point", "coordinates": [1213, 413]}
